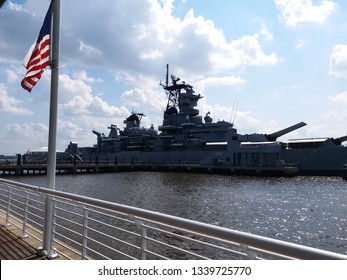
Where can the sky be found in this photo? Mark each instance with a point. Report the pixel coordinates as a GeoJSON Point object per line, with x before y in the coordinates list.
{"type": "Point", "coordinates": [262, 66]}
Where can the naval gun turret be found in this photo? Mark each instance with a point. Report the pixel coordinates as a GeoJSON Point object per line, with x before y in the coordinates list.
{"type": "Point", "coordinates": [269, 137]}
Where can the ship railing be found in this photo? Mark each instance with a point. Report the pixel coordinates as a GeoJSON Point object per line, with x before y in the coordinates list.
{"type": "Point", "coordinates": [99, 229]}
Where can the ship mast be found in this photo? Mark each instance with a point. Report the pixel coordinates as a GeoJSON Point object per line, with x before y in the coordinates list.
{"type": "Point", "coordinates": [173, 92]}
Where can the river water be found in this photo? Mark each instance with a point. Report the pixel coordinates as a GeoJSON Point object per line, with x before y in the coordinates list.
{"type": "Point", "coordinates": [305, 210]}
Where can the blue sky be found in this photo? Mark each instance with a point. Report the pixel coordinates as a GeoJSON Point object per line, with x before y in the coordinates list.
{"type": "Point", "coordinates": [281, 62]}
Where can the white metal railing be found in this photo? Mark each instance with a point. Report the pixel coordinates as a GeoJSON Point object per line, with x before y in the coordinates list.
{"type": "Point", "coordinates": [97, 229]}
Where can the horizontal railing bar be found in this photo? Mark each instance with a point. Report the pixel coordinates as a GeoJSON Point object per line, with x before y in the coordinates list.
{"type": "Point", "coordinates": [69, 203]}
{"type": "Point", "coordinates": [31, 215]}
{"type": "Point", "coordinates": [108, 247]}
{"type": "Point", "coordinates": [16, 197]}
{"type": "Point", "coordinates": [66, 201]}
{"type": "Point", "coordinates": [14, 213]}
{"type": "Point", "coordinates": [176, 248]}
{"type": "Point", "coordinates": [156, 255]}
{"type": "Point", "coordinates": [198, 234]}
{"type": "Point", "coordinates": [15, 217]}
{"type": "Point", "coordinates": [13, 201]}
{"type": "Point", "coordinates": [66, 238]}
{"type": "Point", "coordinates": [192, 233]}
{"type": "Point", "coordinates": [269, 253]}
{"type": "Point", "coordinates": [113, 238]}
{"type": "Point", "coordinates": [67, 229]}
{"type": "Point", "coordinates": [37, 213]}
{"type": "Point", "coordinates": [68, 221]}
{"type": "Point", "coordinates": [97, 253]}
{"type": "Point", "coordinates": [35, 208]}
{"type": "Point", "coordinates": [40, 202]}
{"type": "Point", "coordinates": [196, 241]}
{"type": "Point", "coordinates": [114, 227]}
{"type": "Point", "coordinates": [34, 230]}
{"type": "Point", "coordinates": [106, 213]}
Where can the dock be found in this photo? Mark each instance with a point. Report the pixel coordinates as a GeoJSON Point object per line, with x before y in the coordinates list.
{"type": "Point", "coordinates": [61, 168]}
{"type": "Point", "coordinates": [107, 167]}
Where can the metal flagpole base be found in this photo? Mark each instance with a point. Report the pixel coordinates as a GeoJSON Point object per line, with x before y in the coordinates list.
{"type": "Point", "coordinates": [24, 235]}
{"type": "Point", "coordinates": [51, 254]}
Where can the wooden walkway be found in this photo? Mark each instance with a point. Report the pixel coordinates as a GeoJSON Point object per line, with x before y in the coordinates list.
{"type": "Point", "coordinates": [13, 247]}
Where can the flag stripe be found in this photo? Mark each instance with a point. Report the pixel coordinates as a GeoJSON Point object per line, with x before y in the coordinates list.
{"type": "Point", "coordinates": [38, 56]}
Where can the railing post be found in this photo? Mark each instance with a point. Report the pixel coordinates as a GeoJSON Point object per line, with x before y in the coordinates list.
{"type": "Point", "coordinates": [143, 242]}
{"type": "Point", "coordinates": [25, 217]}
{"type": "Point", "coordinates": [143, 239]}
{"type": "Point", "coordinates": [85, 233]}
{"type": "Point", "coordinates": [7, 221]}
{"type": "Point", "coordinates": [250, 254]}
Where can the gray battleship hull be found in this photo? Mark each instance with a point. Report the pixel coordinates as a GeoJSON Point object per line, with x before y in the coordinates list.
{"type": "Point", "coordinates": [324, 161]}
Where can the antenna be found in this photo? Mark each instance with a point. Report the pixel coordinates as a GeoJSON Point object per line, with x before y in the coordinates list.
{"type": "Point", "coordinates": [235, 112]}
{"type": "Point", "coordinates": [167, 75]}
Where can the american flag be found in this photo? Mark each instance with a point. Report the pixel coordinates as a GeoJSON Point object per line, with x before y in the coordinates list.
{"type": "Point", "coordinates": [38, 56]}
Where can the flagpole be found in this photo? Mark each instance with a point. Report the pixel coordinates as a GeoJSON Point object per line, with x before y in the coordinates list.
{"type": "Point", "coordinates": [52, 134]}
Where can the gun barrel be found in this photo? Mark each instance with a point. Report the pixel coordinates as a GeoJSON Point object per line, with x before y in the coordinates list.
{"type": "Point", "coordinates": [338, 141]}
{"type": "Point", "coordinates": [275, 135]}
{"type": "Point", "coordinates": [96, 133]}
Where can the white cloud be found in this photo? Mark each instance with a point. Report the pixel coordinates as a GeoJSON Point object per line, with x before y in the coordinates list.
{"type": "Point", "coordinates": [15, 7]}
{"type": "Point", "coordinates": [12, 76]}
{"type": "Point", "coordinates": [128, 38]}
{"type": "Point", "coordinates": [83, 76]}
{"type": "Point", "coordinates": [151, 55]}
{"type": "Point", "coordinates": [89, 50]}
{"type": "Point", "coordinates": [242, 52]}
{"type": "Point", "coordinates": [296, 12]}
{"type": "Point", "coordinates": [340, 99]}
{"type": "Point", "coordinates": [338, 61]}
{"type": "Point", "coordinates": [70, 88]}
{"type": "Point", "coordinates": [11, 105]}
{"type": "Point", "coordinates": [20, 137]}
{"type": "Point", "coordinates": [300, 43]}
{"type": "Point", "coordinates": [147, 97]}
{"type": "Point", "coordinates": [233, 81]}
{"type": "Point", "coordinates": [76, 98]}
{"type": "Point", "coordinates": [265, 31]}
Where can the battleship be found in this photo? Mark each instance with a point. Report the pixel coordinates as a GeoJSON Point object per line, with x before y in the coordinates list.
{"type": "Point", "coordinates": [187, 141]}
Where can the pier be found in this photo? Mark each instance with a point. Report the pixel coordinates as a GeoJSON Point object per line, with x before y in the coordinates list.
{"type": "Point", "coordinates": [107, 167]}
{"type": "Point", "coordinates": [67, 168]}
